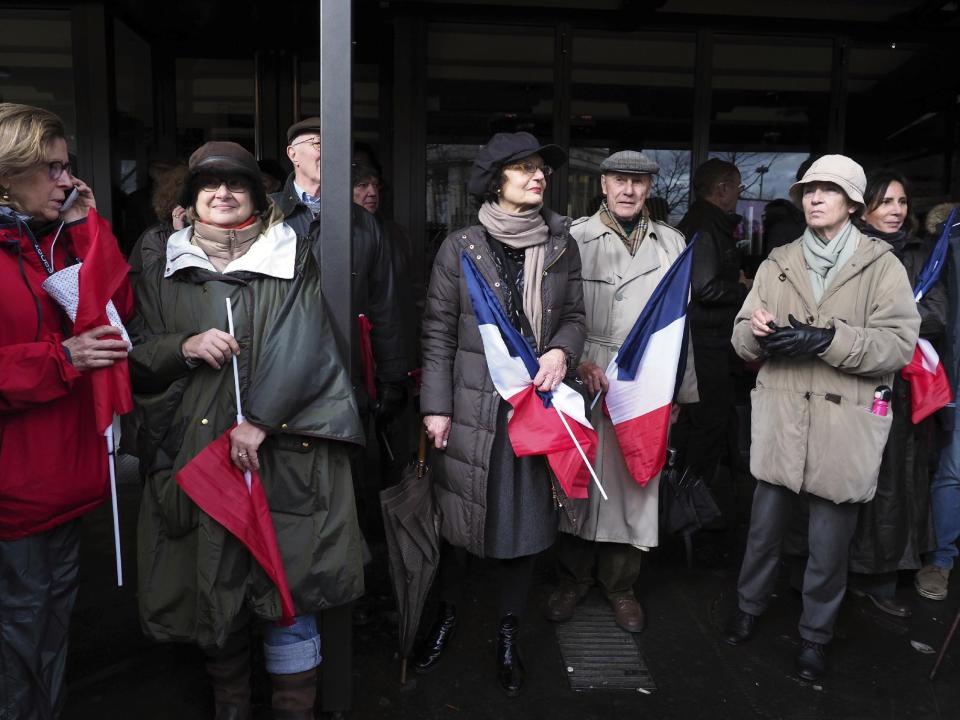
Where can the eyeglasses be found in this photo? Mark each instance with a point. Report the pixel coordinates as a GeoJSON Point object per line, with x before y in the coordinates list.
{"type": "Point", "coordinates": [56, 169]}
{"type": "Point", "coordinates": [234, 184]}
{"type": "Point", "coordinates": [314, 141]}
{"type": "Point", "coordinates": [530, 167]}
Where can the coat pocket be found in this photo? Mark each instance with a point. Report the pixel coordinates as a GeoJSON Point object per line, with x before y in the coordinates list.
{"type": "Point", "coordinates": [178, 512]}
{"type": "Point", "coordinates": [288, 473]}
{"type": "Point", "coordinates": [778, 436]}
{"type": "Point", "coordinates": [846, 448]}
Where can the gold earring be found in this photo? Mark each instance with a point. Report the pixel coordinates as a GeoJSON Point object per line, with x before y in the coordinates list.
{"type": "Point", "coordinates": [4, 195]}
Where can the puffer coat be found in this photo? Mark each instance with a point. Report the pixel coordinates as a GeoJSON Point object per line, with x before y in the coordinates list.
{"type": "Point", "coordinates": [195, 580]}
{"type": "Point", "coordinates": [812, 429]}
{"type": "Point", "coordinates": [456, 381]}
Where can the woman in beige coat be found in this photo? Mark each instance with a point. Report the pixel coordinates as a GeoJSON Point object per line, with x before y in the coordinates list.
{"type": "Point", "coordinates": [832, 316]}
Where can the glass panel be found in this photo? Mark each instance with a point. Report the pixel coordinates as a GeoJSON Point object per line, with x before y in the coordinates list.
{"type": "Point", "coordinates": [133, 137]}
{"type": "Point", "coordinates": [36, 63]}
{"type": "Point", "coordinates": [487, 79]}
{"type": "Point", "coordinates": [449, 206]}
{"type": "Point", "coordinates": [631, 91]}
{"type": "Point", "coordinates": [215, 101]}
{"type": "Point", "coordinates": [769, 113]}
{"type": "Point", "coordinates": [366, 98]}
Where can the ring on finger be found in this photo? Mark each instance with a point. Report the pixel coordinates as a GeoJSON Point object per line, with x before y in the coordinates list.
{"type": "Point", "coordinates": [242, 454]}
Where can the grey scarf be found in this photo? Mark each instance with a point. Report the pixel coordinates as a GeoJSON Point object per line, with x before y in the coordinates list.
{"type": "Point", "coordinates": [826, 257]}
{"type": "Point", "coordinates": [525, 231]}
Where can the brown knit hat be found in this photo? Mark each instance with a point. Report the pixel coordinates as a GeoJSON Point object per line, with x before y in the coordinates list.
{"type": "Point", "coordinates": [222, 159]}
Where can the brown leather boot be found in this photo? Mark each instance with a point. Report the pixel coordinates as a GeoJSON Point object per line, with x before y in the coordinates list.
{"type": "Point", "coordinates": [229, 671]}
{"type": "Point", "coordinates": [294, 695]}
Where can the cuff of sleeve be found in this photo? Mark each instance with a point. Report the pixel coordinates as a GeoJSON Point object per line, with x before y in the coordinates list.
{"type": "Point", "coordinates": [840, 349]}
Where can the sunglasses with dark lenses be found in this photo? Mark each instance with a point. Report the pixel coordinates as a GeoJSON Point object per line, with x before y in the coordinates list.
{"type": "Point", "coordinates": [234, 184]}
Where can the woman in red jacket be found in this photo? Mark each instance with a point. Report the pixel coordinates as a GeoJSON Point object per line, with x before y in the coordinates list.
{"type": "Point", "coordinates": [52, 458]}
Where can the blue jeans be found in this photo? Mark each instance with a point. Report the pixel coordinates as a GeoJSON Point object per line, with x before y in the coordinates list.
{"type": "Point", "coordinates": [294, 649]}
{"type": "Point", "coordinates": [945, 500]}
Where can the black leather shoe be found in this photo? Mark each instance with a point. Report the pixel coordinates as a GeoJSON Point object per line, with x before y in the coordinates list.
{"type": "Point", "coordinates": [811, 660]}
{"type": "Point", "coordinates": [740, 627]}
{"type": "Point", "coordinates": [562, 603]}
{"type": "Point", "coordinates": [428, 657]}
{"type": "Point", "coordinates": [886, 605]}
{"type": "Point", "coordinates": [510, 672]}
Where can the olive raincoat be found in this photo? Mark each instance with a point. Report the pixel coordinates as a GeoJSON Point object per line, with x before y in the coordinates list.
{"type": "Point", "coordinates": [196, 582]}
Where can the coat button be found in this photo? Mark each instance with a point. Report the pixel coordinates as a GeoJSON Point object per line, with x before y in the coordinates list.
{"type": "Point", "coordinates": [496, 284]}
{"type": "Point", "coordinates": [471, 247]}
{"type": "Point", "coordinates": [204, 422]}
{"type": "Point", "coordinates": [463, 237]}
{"type": "Point", "coordinates": [305, 444]}
{"type": "Point", "coordinates": [544, 273]}
{"type": "Point", "coordinates": [809, 318]}
{"type": "Point", "coordinates": [283, 426]}
{"type": "Point", "coordinates": [479, 256]}
{"type": "Point", "coordinates": [549, 310]}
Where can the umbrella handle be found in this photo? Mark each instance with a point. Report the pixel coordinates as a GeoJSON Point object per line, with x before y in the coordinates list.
{"type": "Point", "coordinates": [422, 452]}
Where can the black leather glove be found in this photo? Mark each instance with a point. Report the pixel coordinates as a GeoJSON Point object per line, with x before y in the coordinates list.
{"type": "Point", "coordinates": [391, 397]}
{"type": "Point", "coordinates": [797, 340]}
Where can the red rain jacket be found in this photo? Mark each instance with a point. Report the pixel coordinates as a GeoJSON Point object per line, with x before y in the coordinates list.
{"type": "Point", "coordinates": [53, 464]}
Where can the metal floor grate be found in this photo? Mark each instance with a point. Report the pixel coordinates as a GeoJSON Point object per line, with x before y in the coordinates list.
{"type": "Point", "coordinates": [598, 655]}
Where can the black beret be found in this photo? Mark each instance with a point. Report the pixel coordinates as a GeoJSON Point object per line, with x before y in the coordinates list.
{"type": "Point", "coordinates": [505, 148]}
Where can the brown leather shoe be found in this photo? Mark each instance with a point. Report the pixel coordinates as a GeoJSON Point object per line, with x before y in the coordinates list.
{"type": "Point", "coordinates": [628, 613]}
{"type": "Point", "coordinates": [562, 603]}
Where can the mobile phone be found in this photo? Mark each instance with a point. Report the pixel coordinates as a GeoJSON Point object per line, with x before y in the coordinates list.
{"type": "Point", "coordinates": [70, 199]}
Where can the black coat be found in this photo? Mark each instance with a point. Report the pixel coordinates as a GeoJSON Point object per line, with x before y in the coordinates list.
{"type": "Point", "coordinates": [716, 290]}
{"type": "Point", "coordinates": [374, 285]}
{"type": "Point", "coordinates": [895, 528]}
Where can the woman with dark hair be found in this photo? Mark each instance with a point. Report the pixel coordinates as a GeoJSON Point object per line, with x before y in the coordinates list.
{"type": "Point", "coordinates": [171, 216]}
{"type": "Point", "coordinates": [197, 583]}
{"type": "Point", "coordinates": [53, 461]}
{"type": "Point", "coordinates": [895, 528]}
{"type": "Point", "coordinates": [493, 503]}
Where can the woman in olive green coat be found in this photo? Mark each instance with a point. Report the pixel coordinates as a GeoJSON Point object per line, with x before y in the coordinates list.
{"type": "Point", "coordinates": [197, 583]}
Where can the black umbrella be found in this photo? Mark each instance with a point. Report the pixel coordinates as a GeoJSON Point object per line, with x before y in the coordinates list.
{"type": "Point", "coordinates": [686, 503]}
{"type": "Point", "coordinates": [412, 524]}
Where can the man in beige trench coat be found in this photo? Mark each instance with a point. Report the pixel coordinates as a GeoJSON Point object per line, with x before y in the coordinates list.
{"type": "Point", "coordinates": [624, 255]}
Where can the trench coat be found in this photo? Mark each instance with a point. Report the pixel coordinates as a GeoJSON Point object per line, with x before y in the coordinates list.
{"type": "Point", "coordinates": [616, 287]}
{"type": "Point", "coordinates": [196, 581]}
{"type": "Point", "coordinates": [456, 381]}
{"type": "Point", "coordinates": [812, 429]}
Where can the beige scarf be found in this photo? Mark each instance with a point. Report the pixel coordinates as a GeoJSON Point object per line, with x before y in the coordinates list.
{"type": "Point", "coordinates": [221, 245]}
{"type": "Point", "coordinates": [525, 231]}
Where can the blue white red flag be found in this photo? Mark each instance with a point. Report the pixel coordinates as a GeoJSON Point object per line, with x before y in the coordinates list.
{"type": "Point", "coordinates": [536, 426]}
{"type": "Point", "coordinates": [929, 386]}
{"type": "Point", "coordinates": [643, 377]}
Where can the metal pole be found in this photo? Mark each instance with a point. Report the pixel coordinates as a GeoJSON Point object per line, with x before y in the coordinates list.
{"type": "Point", "coordinates": [336, 73]}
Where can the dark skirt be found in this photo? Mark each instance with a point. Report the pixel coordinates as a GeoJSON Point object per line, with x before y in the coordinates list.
{"type": "Point", "coordinates": [521, 517]}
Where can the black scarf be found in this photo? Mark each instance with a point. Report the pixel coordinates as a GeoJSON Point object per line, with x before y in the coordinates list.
{"type": "Point", "coordinates": [898, 239]}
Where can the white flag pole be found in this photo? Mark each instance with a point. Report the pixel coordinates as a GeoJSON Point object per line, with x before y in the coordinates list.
{"type": "Point", "coordinates": [586, 462]}
{"type": "Point", "coordinates": [111, 462]}
{"type": "Point", "coordinates": [236, 387]}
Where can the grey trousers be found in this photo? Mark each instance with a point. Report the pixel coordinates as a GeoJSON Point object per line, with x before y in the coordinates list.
{"type": "Point", "coordinates": [38, 588]}
{"type": "Point", "coordinates": [831, 528]}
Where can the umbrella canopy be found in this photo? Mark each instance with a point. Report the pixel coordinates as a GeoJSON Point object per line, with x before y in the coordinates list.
{"type": "Point", "coordinates": [412, 525]}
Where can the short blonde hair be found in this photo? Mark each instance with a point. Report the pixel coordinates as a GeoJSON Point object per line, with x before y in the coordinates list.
{"type": "Point", "coordinates": [25, 133]}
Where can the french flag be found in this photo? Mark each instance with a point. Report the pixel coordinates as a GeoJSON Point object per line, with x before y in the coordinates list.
{"type": "Point", "coordinates": [644, 375]}
{"type": "Point", "coordinates": [929, 386]}
{"type": "Point", "coordinates": [541, 423]}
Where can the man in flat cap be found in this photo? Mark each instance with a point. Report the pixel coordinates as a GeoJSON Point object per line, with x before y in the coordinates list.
{"type": "Point", "coordinates": [717, 290]}
{"type": "Point", "coordinates": [374, 290]}
{"type": "Point", "coordinates": [624, 253]}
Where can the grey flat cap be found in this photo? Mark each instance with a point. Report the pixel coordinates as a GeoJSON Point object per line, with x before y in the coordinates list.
{"type": "Point", "coordinates": [630, 161]}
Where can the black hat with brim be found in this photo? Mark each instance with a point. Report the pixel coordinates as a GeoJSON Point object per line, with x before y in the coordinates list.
{"type": "Point", "coordinates": [506, 148]}
{"type": "Point", "coordinates": [222, 159]}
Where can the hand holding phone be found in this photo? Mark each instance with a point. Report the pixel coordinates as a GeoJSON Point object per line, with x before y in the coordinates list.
{"type": "Point", "coordinates": [78, 202]}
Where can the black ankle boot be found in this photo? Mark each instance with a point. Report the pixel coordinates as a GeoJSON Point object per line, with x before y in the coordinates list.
{"type": "Point", "coordinates": [509, 666]}
{"type": "Point", "coordinates": [429, 654]}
